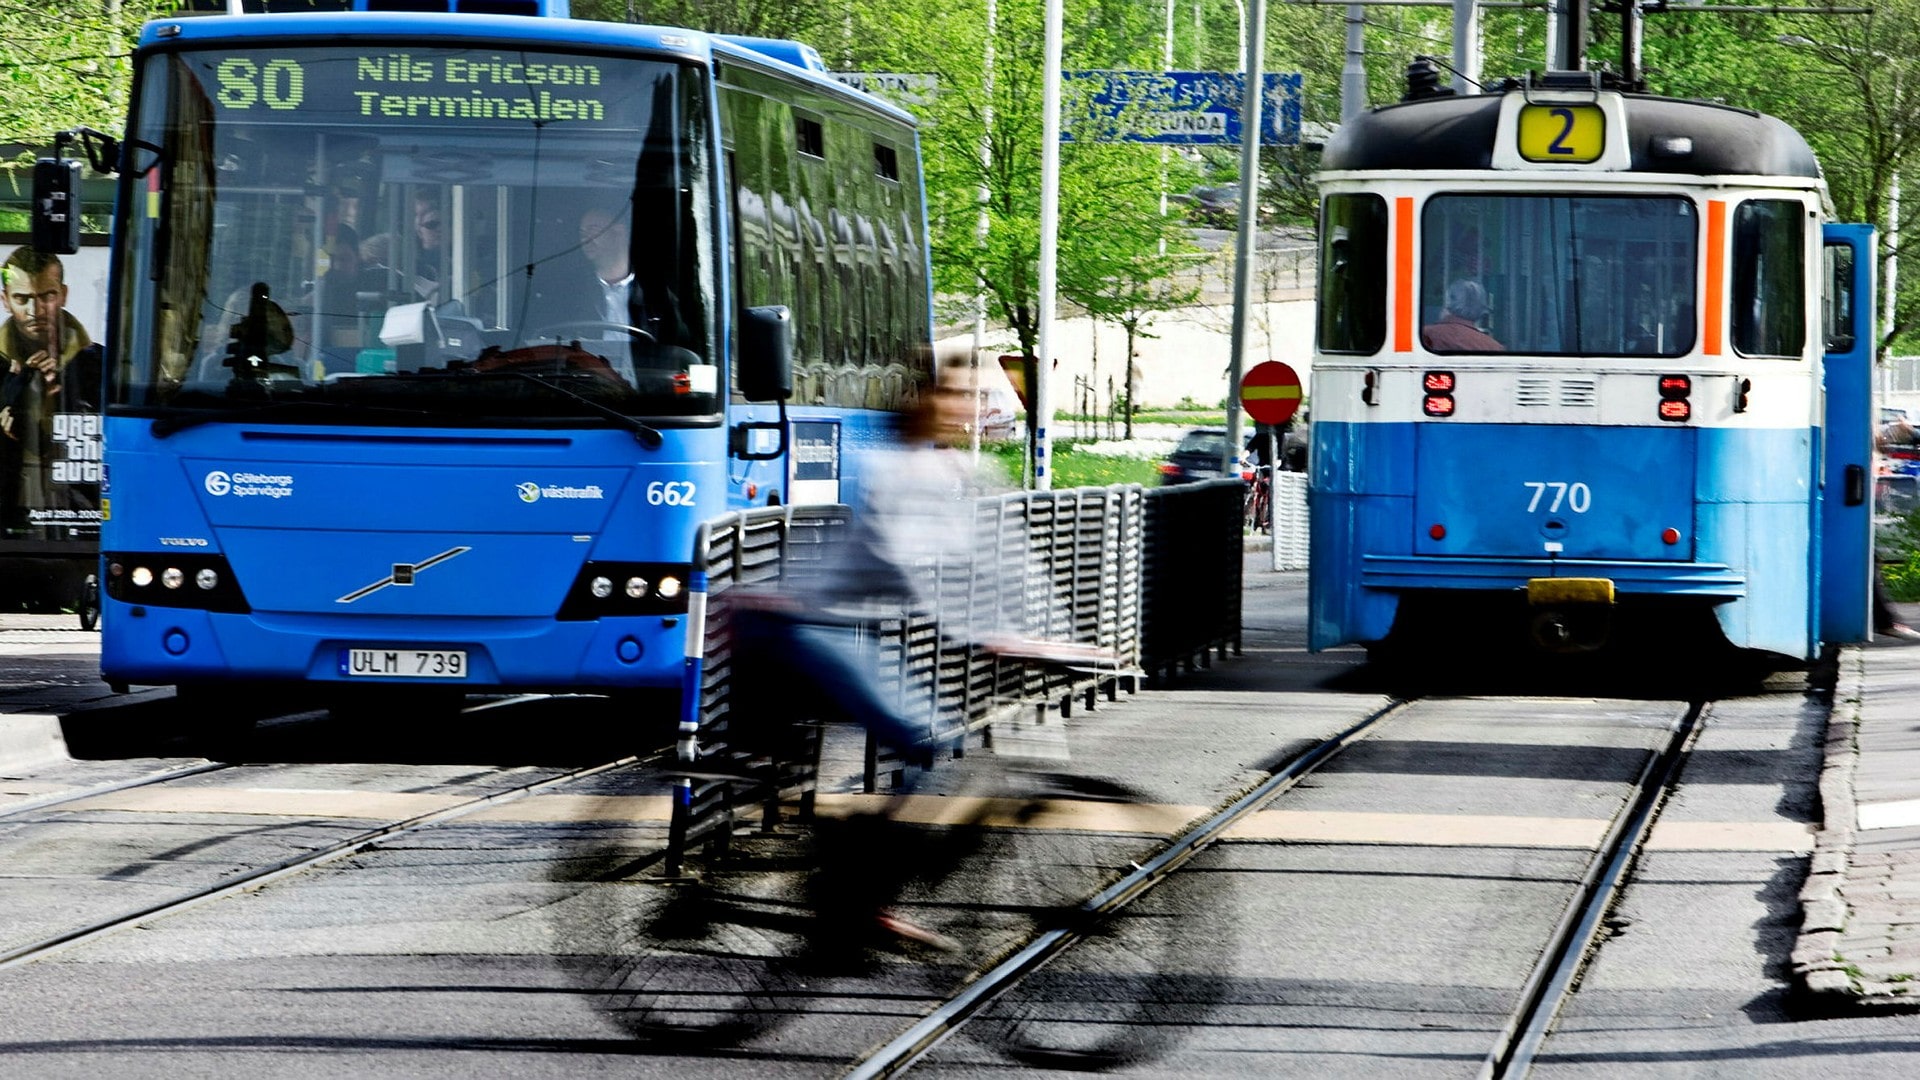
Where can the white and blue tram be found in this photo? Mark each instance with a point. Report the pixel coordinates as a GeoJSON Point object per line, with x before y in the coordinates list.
{"type": "Point", "coordinates": [1589, 364]}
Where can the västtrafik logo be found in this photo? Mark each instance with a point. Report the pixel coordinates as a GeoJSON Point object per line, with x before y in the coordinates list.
{"type": "Point", "coordinates": [535, 492]}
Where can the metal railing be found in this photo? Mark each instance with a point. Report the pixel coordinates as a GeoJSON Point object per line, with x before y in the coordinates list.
{"type": "Point", "coordinates": [1151, 576]}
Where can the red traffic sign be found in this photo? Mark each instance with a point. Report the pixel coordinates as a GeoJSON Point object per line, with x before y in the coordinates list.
{"type": "Point", "coordinates": [1270, 392]}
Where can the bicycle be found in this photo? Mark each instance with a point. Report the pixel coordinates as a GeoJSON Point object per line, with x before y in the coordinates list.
{"type": "Point", "coordinates": [1259, 515]}
{"type": "Point", "coordinates": [990, 851]}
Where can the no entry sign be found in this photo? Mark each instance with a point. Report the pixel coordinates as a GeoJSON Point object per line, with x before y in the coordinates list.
{"type": "Point", "coordinates": [1270, 392]}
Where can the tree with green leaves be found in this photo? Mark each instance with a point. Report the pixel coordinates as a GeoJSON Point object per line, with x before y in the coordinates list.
{"type": "Point", "coordinates": [68, 68]}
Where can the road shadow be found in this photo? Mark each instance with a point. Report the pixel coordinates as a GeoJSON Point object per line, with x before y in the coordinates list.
{"type": "Point", "coordinates": [564, 731]}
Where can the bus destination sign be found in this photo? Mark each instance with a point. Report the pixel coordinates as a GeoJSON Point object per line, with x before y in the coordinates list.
{"type": "Point", "coordinates": [404, 86]}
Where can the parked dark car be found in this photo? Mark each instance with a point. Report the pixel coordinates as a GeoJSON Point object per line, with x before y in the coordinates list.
{"type": "Point", "coordinates": [1196, 457]}
{"type": "Point", "coordinates": [1217, 206]}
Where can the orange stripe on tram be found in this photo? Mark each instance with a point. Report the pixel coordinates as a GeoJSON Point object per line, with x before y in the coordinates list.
{"type": "Point", "coordinates": [1403, 275]}
{"type": "Point", "coordinates": [1715, 308]}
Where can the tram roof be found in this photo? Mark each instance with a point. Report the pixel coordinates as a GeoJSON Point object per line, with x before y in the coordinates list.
{"type": "Point", "coordinates": [1459, 132]}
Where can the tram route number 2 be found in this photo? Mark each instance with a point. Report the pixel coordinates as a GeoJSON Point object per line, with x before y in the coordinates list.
{"type": "Point", "coordinates": [1552, 495]}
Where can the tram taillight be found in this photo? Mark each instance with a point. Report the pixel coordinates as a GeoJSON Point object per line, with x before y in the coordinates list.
{"type": "Point", "coordinates": [1674, 390]}
{"type": "Point", "coordinates": [1439, 393]}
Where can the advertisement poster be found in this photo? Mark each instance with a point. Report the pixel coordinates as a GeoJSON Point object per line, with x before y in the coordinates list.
{"type": "Point", "coordinates": [50, 422]}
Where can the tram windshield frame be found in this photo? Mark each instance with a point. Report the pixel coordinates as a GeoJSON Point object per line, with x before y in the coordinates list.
{"type": "Point", "coordinates": [1590, 275]}
{"type": "Point", "coordinates": [387, 233]}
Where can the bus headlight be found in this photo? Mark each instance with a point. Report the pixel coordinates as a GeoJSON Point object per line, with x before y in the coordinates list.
{"type": "Point", "coordinates": [138, 577]}
{"type": "Point", "coordinates": [641, 589]}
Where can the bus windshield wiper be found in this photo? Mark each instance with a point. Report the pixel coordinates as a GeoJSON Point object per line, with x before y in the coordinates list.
{"type": "Point", "coordinates": [648, 435]}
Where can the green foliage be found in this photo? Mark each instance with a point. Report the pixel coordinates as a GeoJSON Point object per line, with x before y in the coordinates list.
{"type": "Point", "coordinates": [1903, 578]}
{"type": "Point", "coordinates": [1897, 547]}
{"type": "Point", "coordinates": [1075, 468]}
{"type": "Point", "coordinates": [68, 67]}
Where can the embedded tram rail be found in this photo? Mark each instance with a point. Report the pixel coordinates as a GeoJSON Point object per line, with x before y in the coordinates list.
{"type": "Point", "coordinates": [463, 795]}
{"type": "Point", "coordinates": [1328, 912]}
{"type": "Point", "coordinates": [1562, 953]}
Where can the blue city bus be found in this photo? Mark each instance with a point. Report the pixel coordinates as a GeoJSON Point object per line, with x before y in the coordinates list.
{"type": "Point", "coordinates": [375, 416]}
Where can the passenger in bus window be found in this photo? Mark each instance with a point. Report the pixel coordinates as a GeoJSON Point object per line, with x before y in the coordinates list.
{"type": "Point", "coordinates": [602, 288]}
{"type": "Point", "coordinates": [429, 236]}
{"type": "Point", "coordinates": [333, 306]}
{"type": "Point", "coordinates": [1459, 327]}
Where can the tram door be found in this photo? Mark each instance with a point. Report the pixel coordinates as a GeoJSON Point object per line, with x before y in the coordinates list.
{"type": "Point", "coordinates": [1846, 506]}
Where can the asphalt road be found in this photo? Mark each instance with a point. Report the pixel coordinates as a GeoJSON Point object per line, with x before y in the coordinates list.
{"type": "Point", "coordinates": [1376, 921]}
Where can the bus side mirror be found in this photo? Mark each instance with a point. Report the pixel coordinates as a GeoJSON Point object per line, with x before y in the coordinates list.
{"type": "Point", "coordinates": [56, 205]}
{"type": "Point", "coordinates": [766, 354]}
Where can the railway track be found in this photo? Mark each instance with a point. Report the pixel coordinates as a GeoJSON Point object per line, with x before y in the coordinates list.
{"type": "Point", "coordinates": [264, 875]}
{"type": "Point", "coordinates": [1518, 1041]}
{"type": "Point", "coordinates": [976, 1003]}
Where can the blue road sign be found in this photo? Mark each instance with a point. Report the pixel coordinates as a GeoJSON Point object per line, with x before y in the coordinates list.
{"type": "Point", "coordinates": [1178, 107]}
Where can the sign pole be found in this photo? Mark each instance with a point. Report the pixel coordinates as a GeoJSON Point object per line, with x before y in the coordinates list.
{"type": "Point", "coordinates": [1040, 413]}
{"type": "Point", "coordinates": [1250, 129]}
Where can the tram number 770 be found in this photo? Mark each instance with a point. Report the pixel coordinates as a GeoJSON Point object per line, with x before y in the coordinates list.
{"type": "Point", "coordinates": [1576, 496]}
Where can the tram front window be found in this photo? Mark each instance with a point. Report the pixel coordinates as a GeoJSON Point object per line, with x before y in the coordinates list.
{"type": "Point", "coordinates": [1586, 275]}
{"type": "Point", "coordinates": [417, 217]}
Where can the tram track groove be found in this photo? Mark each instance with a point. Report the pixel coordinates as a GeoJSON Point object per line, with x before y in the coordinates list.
{"type": "Point", "coordinates": [293, 865]}
{"type": "Point", "coordinates": [1570, 945]}
{"type": "Point", "coordinates": [920, 1039]}
{"type": "Point", "coordinates": [61, 798]}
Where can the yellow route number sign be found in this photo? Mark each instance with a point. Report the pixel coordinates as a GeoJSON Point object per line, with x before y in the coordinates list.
{"type": "Point", "coordinates": [1575, 134]}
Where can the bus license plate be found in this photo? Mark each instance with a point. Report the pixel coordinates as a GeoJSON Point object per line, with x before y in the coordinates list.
{"type": "Point", "coordinates": [405, 663]}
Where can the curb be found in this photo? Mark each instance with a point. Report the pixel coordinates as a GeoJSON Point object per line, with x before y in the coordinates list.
{"type": "Point", "coordinates": [1825, 973]}
{"type": "Point", "coordinates": [30, 741]}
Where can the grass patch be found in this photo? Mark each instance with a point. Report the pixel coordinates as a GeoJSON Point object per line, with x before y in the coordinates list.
{"type": "Point", "coordinates": [1072, 467]}
{"type": "Point", "coordinates": [1897, 549]}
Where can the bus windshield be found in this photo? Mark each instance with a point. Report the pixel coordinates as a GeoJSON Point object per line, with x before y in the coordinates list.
{"type": "Point", "coordinates": [394, 234]}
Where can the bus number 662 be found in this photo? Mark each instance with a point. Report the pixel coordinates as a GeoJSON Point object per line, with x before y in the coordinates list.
{"type": "Point", "coordinates": [670, 493]}
{"type": "Point", "coordinates": [1576, 496]}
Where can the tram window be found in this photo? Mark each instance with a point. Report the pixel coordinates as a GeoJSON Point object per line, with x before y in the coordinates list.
{"type": "Point", "coordinates": [1353, 274]}
{"type": "Point", "coordinates": [1836, 305]}
{"type": "Point", "coordinates": [1769, 302]}
{"type": "Point", "coordinates": [1583, 275]}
